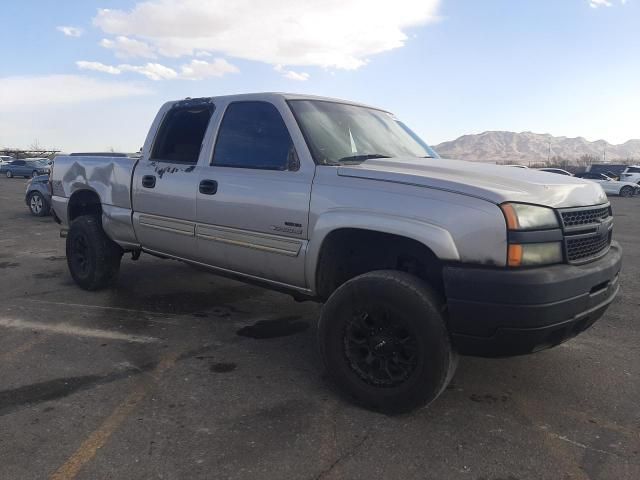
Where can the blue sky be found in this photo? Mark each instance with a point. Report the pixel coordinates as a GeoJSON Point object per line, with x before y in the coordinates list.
{"type": "Point", "coordinates": [447, 68]}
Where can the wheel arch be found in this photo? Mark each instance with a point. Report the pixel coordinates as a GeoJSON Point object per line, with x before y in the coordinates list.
{"type": "Point", "coordinates": [84, 201]}
{"type": "Point", "coordinates": [383, 238]}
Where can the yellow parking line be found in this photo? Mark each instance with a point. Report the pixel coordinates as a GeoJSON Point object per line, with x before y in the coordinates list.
{"type": "Point", "coordinates": [70, 469]}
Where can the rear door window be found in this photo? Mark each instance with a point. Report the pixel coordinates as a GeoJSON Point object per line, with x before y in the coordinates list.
{"type": "Point", "coordinates": [181, 134]}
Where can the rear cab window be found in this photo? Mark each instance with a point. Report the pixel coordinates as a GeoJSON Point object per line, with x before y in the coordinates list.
{"type": "Point", "coordinates": [181, 134]}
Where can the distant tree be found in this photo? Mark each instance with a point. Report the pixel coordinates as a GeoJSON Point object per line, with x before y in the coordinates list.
{"type": "Point", "coordinates": [558, 162]}
{"type": "Point", "coordinates": [35, 145]}
{"type": "Point", "coordinates": [586, 160]}
{"type": "Point", "coordinates": [630, 161]}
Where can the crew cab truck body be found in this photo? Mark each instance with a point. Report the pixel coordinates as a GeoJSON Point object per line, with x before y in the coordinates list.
{"type": "Point", "coordinates": [416, 258]}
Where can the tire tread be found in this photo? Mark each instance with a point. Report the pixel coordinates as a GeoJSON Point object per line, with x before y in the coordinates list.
{"type": "Point", "coordinates": [430, 304]}
{"type": "Point", "coordinates": [107, 254]}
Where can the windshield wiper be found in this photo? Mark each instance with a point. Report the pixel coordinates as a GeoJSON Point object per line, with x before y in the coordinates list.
{"type": "Point", "coordinates": [361, 158]}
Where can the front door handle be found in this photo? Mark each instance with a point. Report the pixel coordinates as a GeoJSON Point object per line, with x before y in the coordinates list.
{"type": "Point", "coordinates": [208, 187]}
{"type": "Point", "coordinates": [148, 181]}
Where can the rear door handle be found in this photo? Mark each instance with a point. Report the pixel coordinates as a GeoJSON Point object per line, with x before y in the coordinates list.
{"type": "Point", "coordinates": [208, 187]}
{"type": "Point", "coordinates": [148, 181]}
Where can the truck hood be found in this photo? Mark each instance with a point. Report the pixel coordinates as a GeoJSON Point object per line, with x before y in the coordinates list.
{"type": "Point", "coordinates": [494, 183]}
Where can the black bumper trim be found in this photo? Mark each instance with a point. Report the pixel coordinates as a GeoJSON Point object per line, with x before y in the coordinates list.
{"type": "Point", "coordinates": [504, 312]}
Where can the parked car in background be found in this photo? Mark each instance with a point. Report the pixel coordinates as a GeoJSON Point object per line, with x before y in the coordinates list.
{"type": "Point", "coordinates": [559, 171]}
{"type": "Point", "coordinates": [43, 160]}
{"type": "Point", "coordinates": [631, 174]}
{"type": "Point", "coordinates": [5, 160]}
{"type": "Point", "coordinates": [25, 168]}
{"type": "Point", "coordinates": [611, 170]}
{"type": "Point", "coordinates": [611, 186]}
{"type": "Point", "coordinates": [38, 196]}
{"type": "Point", "coordinates": [516, 166]}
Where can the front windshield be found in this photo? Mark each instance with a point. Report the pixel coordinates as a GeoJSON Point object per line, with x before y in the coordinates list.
{"type": "Point", "coordinates": [339, 133]}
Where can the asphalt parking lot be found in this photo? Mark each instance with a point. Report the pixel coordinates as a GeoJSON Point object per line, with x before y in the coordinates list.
{"type": "Point", "coordinates": [176, 373]}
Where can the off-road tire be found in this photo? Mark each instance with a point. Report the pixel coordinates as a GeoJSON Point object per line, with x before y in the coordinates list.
{"type": "Point", "coordinates": [409, 302]}
{"type": "Point", "coordinates": [92, 257]}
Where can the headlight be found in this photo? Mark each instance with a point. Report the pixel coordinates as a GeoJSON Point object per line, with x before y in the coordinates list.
{"type": "Point", "coordinates": [525, 224]}
{"type": "Point", "coordinates": [521, 216]}
{"type": "Point", "coordinates": [530, 254]}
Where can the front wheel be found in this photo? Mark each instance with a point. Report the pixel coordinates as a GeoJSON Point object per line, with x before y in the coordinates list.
{"type": "Point", "coordinates": [9, 174]}
{"type": "Point", "coordinates": [626, 191]}
{"type": "Point", "coordinates": [38, 205]}
{"type": "Point", "coordinates": [384, 342]}
{"type": "Point", "coordinates": [93, 258]}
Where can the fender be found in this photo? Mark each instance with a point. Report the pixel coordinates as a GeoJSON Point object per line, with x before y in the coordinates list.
{"type": "Point", "coordinates": [431, 236]}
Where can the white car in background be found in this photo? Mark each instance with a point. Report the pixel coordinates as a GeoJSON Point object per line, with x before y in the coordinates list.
{"type": "Point", "coordinates": [631, 174]}
{"type": "Point", "coordinates": [559, 171]}
{"type": "Point", "coordinates": [610, 186]}
{"type": "Point", "coordinates": [5, 160]}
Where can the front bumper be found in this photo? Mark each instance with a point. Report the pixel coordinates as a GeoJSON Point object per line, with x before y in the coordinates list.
{"type": "Point", "coordinates": [500, 312]}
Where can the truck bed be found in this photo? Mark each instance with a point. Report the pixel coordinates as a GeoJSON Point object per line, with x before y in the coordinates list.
{"type": "Point", "coordinates": [109, 177]}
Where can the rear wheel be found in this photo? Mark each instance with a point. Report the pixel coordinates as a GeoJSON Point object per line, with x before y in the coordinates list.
{"type": "Point", "coordinates": [9, 174]}
{"type": "Point", "coordinates": [626, 191]}
{"type": "Point", "coordinates": [38, 205]}
{"type": "Point", "coordinates": [93, 258]}
{"type": "Point", "coordinates": [384, 342]}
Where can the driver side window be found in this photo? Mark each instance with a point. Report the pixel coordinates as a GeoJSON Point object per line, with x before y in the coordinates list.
{"type": "Point", "coordinates": [254, 135]}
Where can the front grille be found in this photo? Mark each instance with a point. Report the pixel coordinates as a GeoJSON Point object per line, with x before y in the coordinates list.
{"type": "Point", "coordinates": [576, 218]}
{"type": "Point", "coordinates": [584, 248]}
{"type": "Point", "coordinates": [587, 232]}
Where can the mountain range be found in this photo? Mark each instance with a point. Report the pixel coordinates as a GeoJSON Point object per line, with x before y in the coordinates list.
{"type": "Point", "coordinates": [529, 147]}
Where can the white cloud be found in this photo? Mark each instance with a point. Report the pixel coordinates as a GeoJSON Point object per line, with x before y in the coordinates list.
{"type": "Point", "coordinates": [153, 71]}
{"type": "Point", "coordinates": [24, 91]}
{"type": "Point", "coordinates": [298, 76]}
{"type": "Point", "coordinates": [329, 33]}
{"type": "Point", "coordinates": [199, 69]}
{"type": "Point", "coordinates": [70, 31]}
{"type": "Point", "coordinates": [603, 3]}
{"type": "Point", "coordinates": [291, 74]}
{"type": "Point", "coordinates": [98, 67]}
{"type": "Point", "coordinates": [195, 70]}
{"type": "Point", "coordinates": [126, 47]}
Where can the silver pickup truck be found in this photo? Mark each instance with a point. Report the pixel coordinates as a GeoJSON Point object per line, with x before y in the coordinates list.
{"type": "Point", "coordinates": [416, 258]}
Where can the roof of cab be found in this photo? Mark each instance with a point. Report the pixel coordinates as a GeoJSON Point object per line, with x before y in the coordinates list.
{"type": "Point", "coordinates": [271, 95]}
